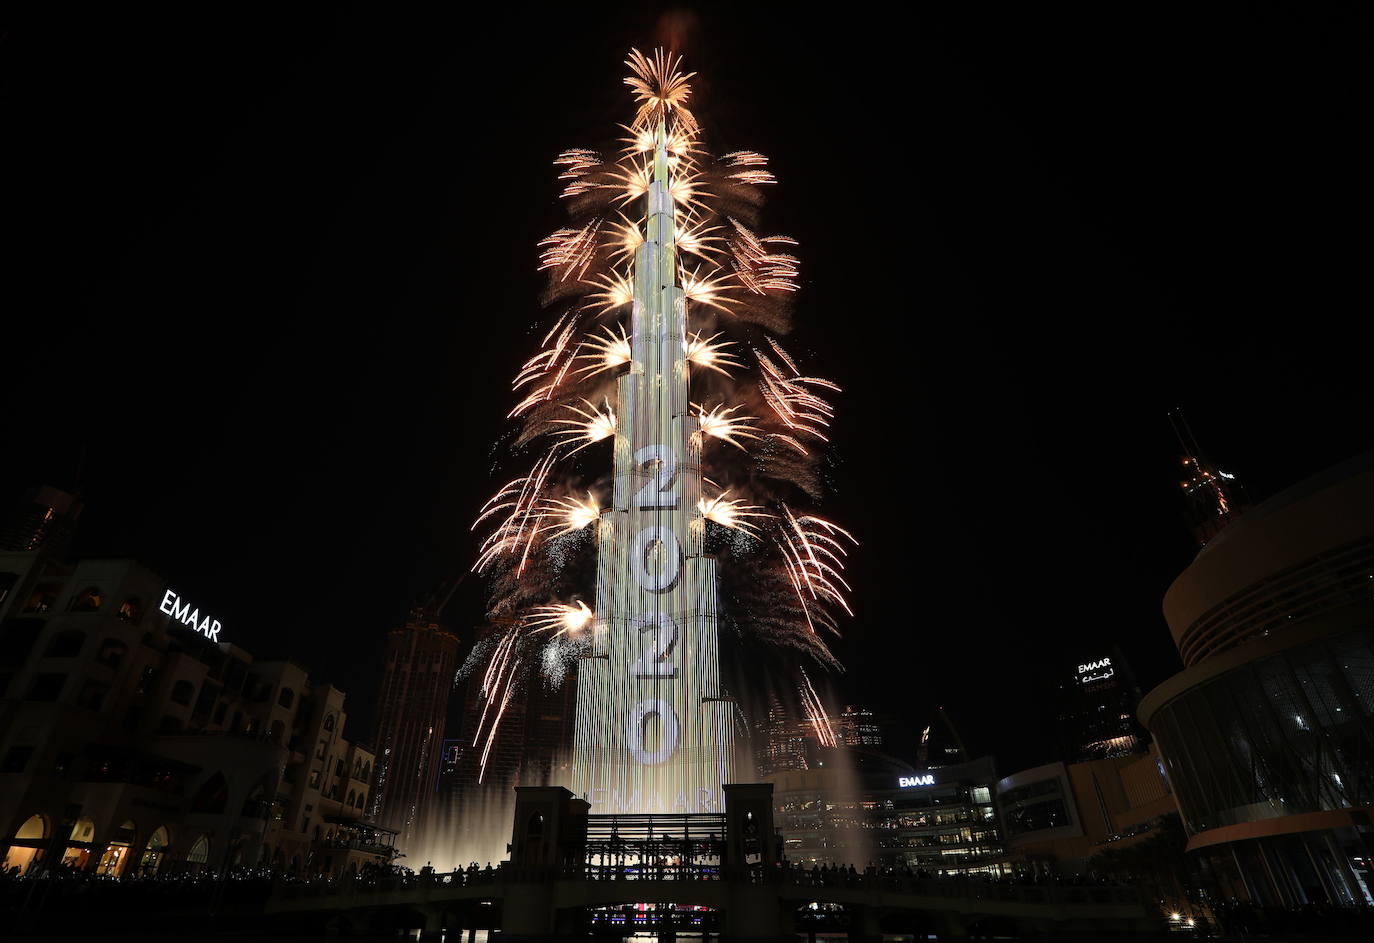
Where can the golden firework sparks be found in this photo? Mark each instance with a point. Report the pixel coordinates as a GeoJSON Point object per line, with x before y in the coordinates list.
{"type": "Point", "coordinates": [570, 250]}
{"type": "Point", "coordinates": [711, 354]}
{"type": "Point", "coordinates": [731, 512]}
{"type": "Point", "coordinates": [606, 351]}
{"type": "Point", "coordinates": [519, 508]}
{"type": "Point", "coordinates": [628, 237]}
{"type": "Point", "coordinates": [661, 89]}
{"type": "Point", "coordinates": [789, 395]}
{"type": "Point", "coordinates": [592, 425]}
{"type": "Point", "coordinates": [748, 167]}
{"type": "Point", "coordinates": [813, 550]}
{"type": "Point", "coordinates": [631, 179]}
{"type": "Point", "coordinates": [756, 267]}
{"type": "Point", "coordinates": [565, 618]}
{"type": "Point", "coordinates": [617, 291]}
{"type": "Point", "coordinates": [705, 289]}
{"type": "Point", "coordinates": [720, 423]}
{"type": "Point", "coordinates": [570, 514]}
{"type": "Point", "coordinates": [696, 238]}
{"type": "Point", "coordinates": [816, 714]}
{"type": "Point", "coordinates": [577, 164]}
{"type": "Point", "coordinates": [641, 141]}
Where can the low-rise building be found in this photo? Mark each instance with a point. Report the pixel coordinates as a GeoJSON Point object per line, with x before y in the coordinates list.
{"type": "Point", "coordinates": [136, 738]}
{"type": "Point", "coordinates": [1057, 816]}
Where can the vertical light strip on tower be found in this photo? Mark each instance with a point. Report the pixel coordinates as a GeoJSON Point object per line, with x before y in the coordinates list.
{"type": "Point", "coordinates": [653, 731]}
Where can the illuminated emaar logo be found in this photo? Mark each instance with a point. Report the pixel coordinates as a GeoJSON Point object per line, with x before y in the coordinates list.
{"type": "Point", "coordinates": [927, 780]}
{"type": "Point", "coordinates": [1096, 670]}
{"type": "Point", "coordinates": [179, 609]}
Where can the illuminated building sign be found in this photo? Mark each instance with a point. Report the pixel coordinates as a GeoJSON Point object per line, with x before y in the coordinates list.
{"type": "Point", "coordinates": [653, 731]}
{"type": "Point", "coordinates": [1099, 670]}
{"type": "Point", "coordinates": [179, 609]}
{"type": "Point", "coordinates": [906, 781]}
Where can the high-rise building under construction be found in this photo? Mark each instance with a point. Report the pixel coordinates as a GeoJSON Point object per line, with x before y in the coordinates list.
{"type": "Point", "coordinates": [417, 676]}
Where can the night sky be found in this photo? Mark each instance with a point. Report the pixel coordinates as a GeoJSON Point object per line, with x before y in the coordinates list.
{"type": "Point", "coordinates": [268, 274]}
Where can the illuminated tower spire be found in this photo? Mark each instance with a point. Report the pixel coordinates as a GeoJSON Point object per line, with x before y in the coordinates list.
{"type": "Point", "coordinates": [653, 730]}
{"type": "Point", "coordinates": [1214, 496]}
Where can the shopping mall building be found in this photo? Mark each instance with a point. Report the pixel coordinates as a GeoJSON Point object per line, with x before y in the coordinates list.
{"type": "Point", "coordinates": [860, 806]}
{"type": "Point", "coordinates": [1267, 735]}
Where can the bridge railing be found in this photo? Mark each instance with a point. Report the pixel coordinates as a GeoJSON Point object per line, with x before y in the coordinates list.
{"type": "Point", "coordinates": [965, 887]}
{"type": "Point", "coordinates": [891, 882]}
{"type": "Point", "coordinates": [388, 882]}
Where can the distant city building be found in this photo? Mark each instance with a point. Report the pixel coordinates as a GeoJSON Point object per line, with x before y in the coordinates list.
{"type": "Point", "coordinates": [43, 520]}
{"type": "Point", "coordinates": [858, 726]}
{"type": "Point", "coordinates": [1266, 734]}
{"type": "Point", "coordinates": [532, 745]}
{"type": "Point", "coordinates": [940, 743]}
{"type": "Point", "coordinates": [133, 742]}
{"type": "Point", "coordinates": [784, 742]}
{"type": "Point", "coordinates": [1057, 816]}
{"type": "Point", "coordinates": [792, 742]}
{"type": "Point", "coordinates": [859, 807]}
{"type": "Point", "coordinates": [412, 713]}
{"type": "Point", "coordinates": [1098, 697]}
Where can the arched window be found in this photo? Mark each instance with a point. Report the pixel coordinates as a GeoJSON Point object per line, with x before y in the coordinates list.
{"type": "Point", "coordinates": [200, 851]}
{"type": "Point", "coordinates": [43, 598]}
{"type": "Point", "coordinates": [78, 853]}
{"type": "Point", "coordinates": [26, 843]}
{"type": "Point", "coordinates": [88, 600]}
{"type": "Point", "coordinates": [66, 644]}
{"type": "Point", "coordinates": [329, 723]}
{"type": "Point", "coordinates": [112, 652]}
{"type": "Point", "coordinates": [131, 610]}
{"type": "Point", "coordinates": [35, 826]}
{"type": "Point", "coordinates": [153, 852]}
{"type": "Point", "coordinates": [367, 772]}
{"type": "Point", "coordinates": [286, 697]}
{"type": "Point", "coordinates": [182, 692]}
{"type": "Point", "coordinates": [116, 854]}
{"type": "Point", "coordinates": [352, 799]}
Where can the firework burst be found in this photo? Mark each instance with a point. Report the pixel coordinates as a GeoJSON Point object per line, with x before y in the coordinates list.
{"type": "Point", "coordinates": [782, 569]}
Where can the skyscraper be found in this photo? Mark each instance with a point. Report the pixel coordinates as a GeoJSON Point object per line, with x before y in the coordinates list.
{"type": "Point", "coordinates": [531, 747]}
{"type": "Point", "coordinates": [417, 675]}
{"type": "Point", "coordinates": [43, 520]}
{"type": "Point", "coordinates": [859, 726]}
{"type": "Point", "coordinates": [653, 731]}
{"type": "Point", "coordinates": [940, 743]}
{"type": "Point", "coordinates": [1097, 703]}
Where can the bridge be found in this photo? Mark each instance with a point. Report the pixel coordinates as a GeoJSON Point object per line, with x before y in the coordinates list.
{"type": "Point", "coordinates": [574, 876]}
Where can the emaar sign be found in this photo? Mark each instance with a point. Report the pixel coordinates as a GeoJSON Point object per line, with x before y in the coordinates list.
{"type": "Point", "coordinates": [906, 781]}
{"type": "Point", "coordinates": [179, 609]}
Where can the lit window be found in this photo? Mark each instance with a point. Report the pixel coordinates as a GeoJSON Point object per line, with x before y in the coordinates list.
{"type": "Point", "coordinates": [88, 600]}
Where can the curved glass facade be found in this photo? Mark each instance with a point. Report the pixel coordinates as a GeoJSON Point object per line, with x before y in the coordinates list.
{"type": "Point", "coordinates": [1287, 734]}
